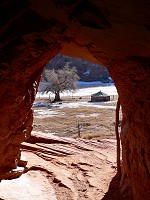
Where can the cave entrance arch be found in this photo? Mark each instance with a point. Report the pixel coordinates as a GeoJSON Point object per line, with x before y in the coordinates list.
{"type": "Point", "coordinates": [115, 33]}
{"type": "Point", "coordinates": [130, 88]}
{"type": "Point", "coordinates": [75, 114]}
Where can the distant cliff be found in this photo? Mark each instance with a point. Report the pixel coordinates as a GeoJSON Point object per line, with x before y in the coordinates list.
{"type": "Point", "coordinates": [87, 71]}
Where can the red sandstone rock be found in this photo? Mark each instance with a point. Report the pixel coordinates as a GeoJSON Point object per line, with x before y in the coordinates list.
{"type": "Point", "coordinates": [64, 168]}
{"type": "Point", "coordinates": [116, 33]}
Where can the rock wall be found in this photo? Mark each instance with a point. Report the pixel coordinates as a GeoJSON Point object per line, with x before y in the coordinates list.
{"type": "Point", "coordinates": [113, 33]}
{"type": "Point", "coordinates": [134, 92]}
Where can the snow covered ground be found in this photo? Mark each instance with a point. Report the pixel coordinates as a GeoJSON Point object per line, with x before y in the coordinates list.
{"type": "Point", "coordinates": [85, 89]}
{"type": "Point", "coordinates": [72, 105]}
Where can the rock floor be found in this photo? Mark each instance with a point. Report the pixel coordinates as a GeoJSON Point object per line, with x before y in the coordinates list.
{"type": "Point", "coordinates": [64, 169]}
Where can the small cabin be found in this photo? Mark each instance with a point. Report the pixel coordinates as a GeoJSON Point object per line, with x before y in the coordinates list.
{"type": "Point", "coordinates": [100, 97]}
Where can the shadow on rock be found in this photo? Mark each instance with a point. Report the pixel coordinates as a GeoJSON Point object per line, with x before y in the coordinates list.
{"type": "Point", "coordinates": [114, 193]}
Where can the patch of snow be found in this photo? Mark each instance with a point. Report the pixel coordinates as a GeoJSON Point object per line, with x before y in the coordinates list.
{"type": "Point", "coordinates": [93, 115]}
{"type": "Point", "coordinates": [85, 104]}
{"type": "Point", "coordinates": [89, 115]}
{"type": "Point", "coordinates": [87, 72]}
{"type": "Point", "coordinates": [40, 104]}
{"type": "Point", "coordinates": [82, 104]}
{"type": "Point", "coordinates": [85, 90]}
{"type": "Point", "coordinates": [70, 105]}
{"type": "Point", "coordinates": [47, 113]}
{"type": "Point", "coordinates": [38, 132]}
{"type": "Point", "coordinates": [110, 78]}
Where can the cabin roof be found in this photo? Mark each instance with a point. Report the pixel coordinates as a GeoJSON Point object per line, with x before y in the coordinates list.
{"type": "Point", "coordinates": [100, 93]}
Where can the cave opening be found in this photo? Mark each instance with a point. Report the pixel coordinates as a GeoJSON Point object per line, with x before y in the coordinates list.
{"type": "Point", "coordinates": [23, 118]}
{"type": "Point", "coordinates": [114, 33]}
{"type": "Point", "coordinates": [78, 110]}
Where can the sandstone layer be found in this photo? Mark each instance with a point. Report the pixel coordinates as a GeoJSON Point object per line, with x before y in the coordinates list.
{"type": "Point", "coordinates": [112, 33]}
{"type": "Point", "coordinates": [64, 168]}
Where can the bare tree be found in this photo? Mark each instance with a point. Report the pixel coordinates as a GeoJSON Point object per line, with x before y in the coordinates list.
{"type": "Point", "coordinates": [61, 80]}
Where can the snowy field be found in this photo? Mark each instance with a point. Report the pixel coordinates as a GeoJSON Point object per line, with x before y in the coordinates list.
{"type": "Point", "coordinates": [85, 89]}
{"type": "Point", "coordinates": [62, 118]}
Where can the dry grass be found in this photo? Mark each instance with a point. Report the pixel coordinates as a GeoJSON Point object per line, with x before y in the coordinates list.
{"type": "Point", "coordinates": [94, 122]}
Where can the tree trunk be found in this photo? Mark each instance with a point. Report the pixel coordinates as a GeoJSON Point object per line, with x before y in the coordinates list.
{"type": "Point", "coordinates": [118, 138]}
{"type": "Point", "coordinates": [57, 96]}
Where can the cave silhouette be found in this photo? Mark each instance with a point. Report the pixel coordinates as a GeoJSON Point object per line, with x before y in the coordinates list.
{"type": "Point", "coordinates": [112, 33]}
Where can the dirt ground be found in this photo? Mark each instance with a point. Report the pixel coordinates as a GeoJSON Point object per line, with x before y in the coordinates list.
{"type": "Point", "coordinates": [91, 122]}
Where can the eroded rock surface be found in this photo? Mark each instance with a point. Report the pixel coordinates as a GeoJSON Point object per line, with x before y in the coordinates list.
{"type": "Point", "coordinates": [64, 168]}
{"type": "Point", "coordinates": [113, 33]}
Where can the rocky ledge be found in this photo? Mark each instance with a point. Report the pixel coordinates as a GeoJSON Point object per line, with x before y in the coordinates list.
{"type": "Point", "coordinates": [65, 168]}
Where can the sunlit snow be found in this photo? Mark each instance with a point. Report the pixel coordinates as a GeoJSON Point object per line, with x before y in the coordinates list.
{"type": "Point", "coordinates": [47, 113]}
{"type": "Point", "coordinates": [70, 105]}
{"type": "Point", "coordinates": [85, 89]}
